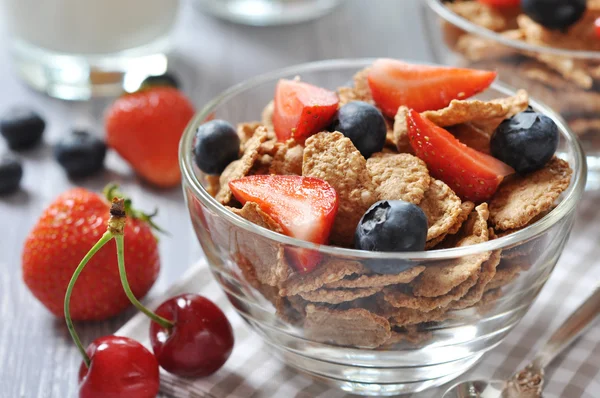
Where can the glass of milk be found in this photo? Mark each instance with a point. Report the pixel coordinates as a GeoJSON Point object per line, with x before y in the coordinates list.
{"type": "Point", "coordinates": [78, 49]}
{"type": "Point", "coordinates": [268, 12]}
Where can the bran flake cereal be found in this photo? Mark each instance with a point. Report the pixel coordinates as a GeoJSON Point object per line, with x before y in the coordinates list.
{"type": "Point", "coordinates": [438, 280]}
{"type": "Point", "coordinates": [344, 302]}
{"type": "Point", "coordinates": [400, 131]}
{"type": "Point", "coordinates": [479, 14]}
{"type": "Point", "coordinates": [377, 280]}
{"type": "Point", "coordinates": [399, 176]}
{"type": "Point", "coordinates": [245, 131]}
{"type": "Point", "coordinates": [241, 167]}
{"type": "Point", "coordinates": [252, 212]}
{"type": "Point", "coordinates": [360, 91]}
{"type": "Point", "coordinates": [337, 296]}
{"type": "Point", "coordinates": [400, 299]}
{"type": "Point", "coordinates": [442, 208]}
{"type": "Point", "coordinates": [288, 158]}
{"type": "Point", "coordinates": [212, 184]}
{"type": "Point", "coordinates": [463, 111]}
{"type": "Point", "coordinates": [333, 158]}
{"type": "Point", "coordinates": [522, 198]}
{"type": "Point", "coordinates": [486, 275]}
{"type": "Point", "coordinates": [354, 327]}
{"type": "Point", "coordinates": [328, 272]}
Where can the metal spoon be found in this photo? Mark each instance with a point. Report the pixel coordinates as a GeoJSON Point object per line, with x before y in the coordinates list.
{"type": "Point", "coordinates": [529, 382]}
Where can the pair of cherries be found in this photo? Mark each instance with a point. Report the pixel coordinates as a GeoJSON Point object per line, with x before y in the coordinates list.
{"type": "Point", "coordinates": [198, 344]}
{"type": "Point", "coordinates": [189, 334]}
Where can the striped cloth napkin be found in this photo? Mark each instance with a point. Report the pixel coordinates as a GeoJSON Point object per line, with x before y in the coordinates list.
{"type": "Point", "coordinates": [251, 372]}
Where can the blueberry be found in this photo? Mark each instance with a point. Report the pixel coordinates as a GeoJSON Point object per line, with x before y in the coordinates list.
{"type": "Point", "coordinates": [391, 226]}
{"type": "Point", "coordinates": [364, 125]}
{"type": "Point", "coordinates": [526, 142]}
{"type": "Point", "coordinates": [216, 145]}
{"type": "Point", "coordinates": [554, 14]}
{"type": "Point", "coordinates": [80, 153]}
{"type": "Point", "coordinates": [166, 79]}
{"type": "Point", "coordinates": [11, 173]}
{"type": "Point", "coordinates": [22, 128]}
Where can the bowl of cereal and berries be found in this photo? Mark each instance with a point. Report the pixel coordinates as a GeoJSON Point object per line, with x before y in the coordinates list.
{"type": "Point", "coordinates": [380, 224]}
{"type": "Point", "coordinates": [550, 48]}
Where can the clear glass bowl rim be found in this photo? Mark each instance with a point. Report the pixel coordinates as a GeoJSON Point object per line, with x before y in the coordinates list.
{"type": "Point", "coordinates": [570, 197]}
{"type": "Point", "coordinates": [444, 12]}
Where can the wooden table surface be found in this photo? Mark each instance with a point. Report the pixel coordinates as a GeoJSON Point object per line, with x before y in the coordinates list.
{"type": "Point", "coordinates": [37, 357]}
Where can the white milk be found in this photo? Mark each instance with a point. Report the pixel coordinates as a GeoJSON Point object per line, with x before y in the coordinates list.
{"type": "Point", "coordinates": [88, 26]}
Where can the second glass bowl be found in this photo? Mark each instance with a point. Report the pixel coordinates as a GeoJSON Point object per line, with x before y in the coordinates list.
{"type": "Point", "coordinates": [454, 40]}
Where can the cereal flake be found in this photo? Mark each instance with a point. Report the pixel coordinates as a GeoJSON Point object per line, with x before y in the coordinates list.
{"type": "Point", "coordinates": [479, 14]}
{"type": "Point", "coordinates": [245, 131]}
{"type": "Point", "coordinates": [241, 167]}
{"type": "Point", "coordinates": [488, 272]}
{"type": "Point", "coordinates": [354, 327]}
{"type": "Point", "coordinates": [399, 176]}
{"type": "Point", "coordinates": [288, 158]}
{"type": "Point", "coordinates": [520, 199]}
{"type": "Point", "coordinates": [267, 116]}
{"type": "Point", "coordinates": [329, 271]}
{"type": "Point", "coordinates": [463, 111]}
{"type": "Point", "coordinates": [439, 279]}
{"type": "Point", "coordinates": [442, 208]}
{"type": "Point", "coordinates": [337, 296]}
{"type": "Point", "coordinates": [333, 158]}
{"type": "Point", "coordinates": [377, 280]}
{"type": "Point", "coordinates": [400, 299]}
{"type": "Point", "coordinates": [252, 212]}
{"type": "Point", "coordinates": [400, 132]}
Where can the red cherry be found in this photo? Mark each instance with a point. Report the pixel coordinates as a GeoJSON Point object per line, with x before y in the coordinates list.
{"type": "Point", "coordinates": [120, 368]}
{"type": "Point", "coordinates": [200, 341]}
{"type": "Point", "coordinates": [597, 27]}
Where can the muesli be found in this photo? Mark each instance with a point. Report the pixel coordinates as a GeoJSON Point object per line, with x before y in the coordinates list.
{"type": "Point", "coordinates": [320, 167]}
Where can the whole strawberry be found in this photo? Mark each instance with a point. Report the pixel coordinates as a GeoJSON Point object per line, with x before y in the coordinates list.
{"type": "Point", "coordinates": [145, 128]}
{"type": "Point", "coordinates": [65, 232]}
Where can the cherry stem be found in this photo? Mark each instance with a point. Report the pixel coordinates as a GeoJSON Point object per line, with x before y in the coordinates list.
{"type": "Point", "coordinates": [103, 240]}
{"type": "Point", "coordinates": [123, 274]}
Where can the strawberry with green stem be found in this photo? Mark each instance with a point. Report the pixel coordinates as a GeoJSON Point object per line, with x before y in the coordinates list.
{"type": "Point", "coordinates": [62, 236]}
{"type": "Point", "coordinates": [196, 342]}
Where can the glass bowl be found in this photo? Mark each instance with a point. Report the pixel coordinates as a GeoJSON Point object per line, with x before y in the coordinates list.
{"type": "Point", "coordinates": [454, 40]}
{"type": "Point", "coordinates": [356, 350]}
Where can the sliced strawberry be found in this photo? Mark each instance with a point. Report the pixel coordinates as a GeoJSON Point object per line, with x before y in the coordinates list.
{"type": "Point", "coordinates": [395, 83]}
{"type": "Point", "coordinates": [597, 27]}
{"type": "Point", "coordinates": [305, 207]}
{"type": "Point", "coordinates": [471, 174]}
{"type": "Point", "coordinates": [302, 109]}
{"type": "Point", "coordinates": [501, 3]}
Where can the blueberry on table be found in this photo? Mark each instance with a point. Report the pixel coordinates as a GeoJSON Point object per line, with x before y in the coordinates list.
{"type": "Point", "coordinates": [166, 79]}
{"type": "Point", "coordinates": [22, 128]}
{"type": "Point", "coordinates": [216, 145]}
{"type": "Point", "coordinates": [526, 141]}
{"type": "Point", "coordinates": [391, 226]}
{"type": "Point", "coordinates": [81, 154]}
{"type": "Point", "coordinates": [11, 172]}
{"type": "Point", "coordinates": [364, 125]}
{"type": "Point", "coordinates": [554, 14]}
